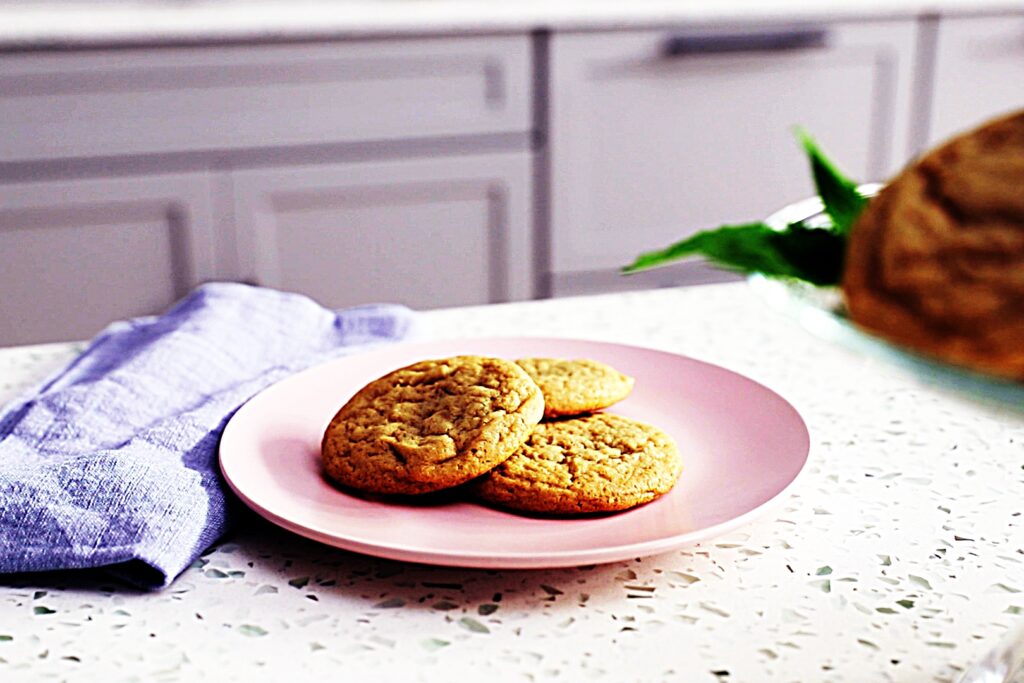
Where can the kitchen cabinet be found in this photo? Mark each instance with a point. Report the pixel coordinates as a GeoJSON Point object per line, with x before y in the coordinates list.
{"type": "Point", "coordinates": [352, 171]}
{"type": "Point", "coordinates": [427, 233]}
{"type": "Point", "coordinates": [448, 169]}
{"type": "Point", "coordinates": [978, 73]}
{"type": "Point", "coordinates": [75, 254]}
{"type": "Point", "coordinates": [656, 134]}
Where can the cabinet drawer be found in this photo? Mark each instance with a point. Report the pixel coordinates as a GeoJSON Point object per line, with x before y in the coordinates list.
{"type": "Point", "coordinates": [73, 104]}
{"type": "Point", "coordinates": [658, 134]}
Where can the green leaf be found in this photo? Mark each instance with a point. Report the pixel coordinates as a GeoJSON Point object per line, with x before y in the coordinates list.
{"type": "Point", "coordinates": [811, 254]}
{"type": "Point", "coordinates": [843, 203]}
{"type": "Point", "coordinates": [730, 245]}
{"type": "Point", "coordinates": [814, 254]}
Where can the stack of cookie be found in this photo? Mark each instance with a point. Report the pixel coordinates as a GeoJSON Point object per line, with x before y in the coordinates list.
{"type": "Point", "coordinates": [522, 435]}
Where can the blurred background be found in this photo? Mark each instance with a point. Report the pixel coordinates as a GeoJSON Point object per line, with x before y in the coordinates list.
{"type": "Point", "coordinates": [438, 153]}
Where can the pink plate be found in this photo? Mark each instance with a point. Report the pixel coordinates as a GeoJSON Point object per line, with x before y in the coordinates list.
{"type": "Point", "coordinates": [742, 444]}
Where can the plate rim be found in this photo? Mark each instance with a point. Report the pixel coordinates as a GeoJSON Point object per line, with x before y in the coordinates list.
{"type": "Point", "coordinates": [518, 559]}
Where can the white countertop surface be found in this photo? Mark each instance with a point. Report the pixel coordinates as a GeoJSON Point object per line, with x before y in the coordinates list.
{"type": "Point", "coordinates": [30, 23]}
{"type": "Point", "coordinates": [899, 556]}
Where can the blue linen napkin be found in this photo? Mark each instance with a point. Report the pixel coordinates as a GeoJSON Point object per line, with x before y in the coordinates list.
{"type": "Point", "coordinates": [113, 460]}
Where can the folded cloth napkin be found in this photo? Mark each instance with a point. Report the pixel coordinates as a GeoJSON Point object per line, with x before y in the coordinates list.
{"type": "Point", "coordinates": [113, 461]}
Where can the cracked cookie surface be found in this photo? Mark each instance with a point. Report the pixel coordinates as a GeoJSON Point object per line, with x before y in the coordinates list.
{"type": "Point", "coordinates": [431, 425]}
{"type": "Point", "coordinates": [597, 463]}
{"type": "Point", "coordinates": [572, 387]}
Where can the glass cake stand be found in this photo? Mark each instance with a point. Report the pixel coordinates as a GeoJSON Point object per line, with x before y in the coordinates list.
{"type": "Point", "coordinates": [820, 311]}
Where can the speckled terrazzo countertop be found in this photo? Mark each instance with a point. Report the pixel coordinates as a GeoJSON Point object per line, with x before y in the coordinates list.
{"type": "Point", "coordinates": [900, 556]}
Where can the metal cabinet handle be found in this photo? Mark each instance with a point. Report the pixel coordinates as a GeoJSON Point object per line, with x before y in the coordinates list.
{"type": "Point", "coordinates": [725, 43]}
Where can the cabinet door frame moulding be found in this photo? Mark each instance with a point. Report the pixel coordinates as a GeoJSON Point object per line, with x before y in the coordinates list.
{"type": "Point", "coordinates": [503, 178]}
{"type": "Point", "coordinates": [978, 73]}
{"type": "Point", "coordinates": [186, 199]}
{"type": "Point", "coordinates": [182, 202]}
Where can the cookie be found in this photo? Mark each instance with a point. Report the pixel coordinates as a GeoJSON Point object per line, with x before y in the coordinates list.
{"type": "Point", "coordinates": [597, 463]}
{"type": "Point", "coordinates": [936, 261]}
{"type": "Point", "coordinates": [431, 425]}
{"type": "Point", "coordinates": [572, 387]}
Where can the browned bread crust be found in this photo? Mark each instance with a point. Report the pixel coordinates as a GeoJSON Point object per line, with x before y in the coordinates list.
{"type": "Point", "coordinates": [936, 261]}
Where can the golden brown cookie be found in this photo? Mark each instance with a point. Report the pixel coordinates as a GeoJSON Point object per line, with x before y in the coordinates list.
{"type": "Point", "coordinates": [936, 260]}
{"type": "Point", "coordinates": [572, 387]}
{"type": "Point", "coordinates": [597, 463]}
{"type": "Point", "coordinates": [431, 425]}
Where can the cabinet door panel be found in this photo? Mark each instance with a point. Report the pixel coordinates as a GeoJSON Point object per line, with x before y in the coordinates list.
{"type": "Point", "coordinates": [979, 72]}
{"type": "Point", "coordinates": [651, 143]}
{"type": "Point", "coordinates": [426, 233]}
{"type": "Point", "coordinates": [75, 255]}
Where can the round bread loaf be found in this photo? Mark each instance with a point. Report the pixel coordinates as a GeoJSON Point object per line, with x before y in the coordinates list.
{"type": "Point", "coordinates": [936, 260]}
